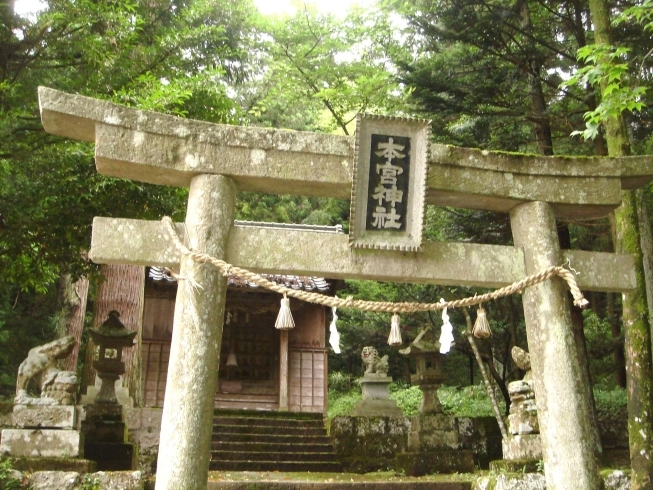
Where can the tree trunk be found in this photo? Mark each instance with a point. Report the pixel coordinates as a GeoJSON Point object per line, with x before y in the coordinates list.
{"type": "Point", "coordinates": [122, 290]}
{"type": "Point", "coordinates": [618, 350]}
{"type": "Point", "coordinates": [532, 67]}
{"type": "Point", "coordinates": [635, 312]}
{"type": "Point", "coordinates": [72, 309]}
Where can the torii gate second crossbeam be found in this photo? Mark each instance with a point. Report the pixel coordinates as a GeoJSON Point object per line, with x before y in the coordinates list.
{"type": "Point", "coordinates": [216, 160]}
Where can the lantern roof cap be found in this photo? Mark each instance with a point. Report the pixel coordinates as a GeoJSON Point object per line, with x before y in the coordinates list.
{"type": "Point", "coordinates": [113, 329]}
{"type": "Point", "coordinates": [426, 342]}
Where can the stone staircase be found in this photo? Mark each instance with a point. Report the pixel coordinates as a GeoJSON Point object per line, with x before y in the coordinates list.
{"type": "Point", "coordinates": [271, 441]}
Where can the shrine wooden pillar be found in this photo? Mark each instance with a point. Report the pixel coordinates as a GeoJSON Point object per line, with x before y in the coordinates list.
{"type": "Point", "coordinates": [185, 447]}
{"type": "Point", "coordinates": [570, 440]}
{"type": "Point", "coordinates": [283, 371]}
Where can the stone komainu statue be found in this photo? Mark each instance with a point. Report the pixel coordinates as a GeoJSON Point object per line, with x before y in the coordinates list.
{"type": "Point", "coordinates": [57, 387]}
{"type": "Point", "coordinates": [373, 364]}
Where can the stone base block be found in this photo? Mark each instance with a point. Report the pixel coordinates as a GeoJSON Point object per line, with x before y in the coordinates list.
{"type": "Point", "coordinates": [110, 432]}
{"type": "Point", "coordinates": [31, 465]}
{"type": "Point", "coordinates": [516, 466]}
{"type": "Point", "coordinates": [522, 447]}
{"type": "Point", "coordinates": [48, 443]}
{"type": "Point", "coordinates": [523, 423]}
{"type": "Point", "coordinates": [377, 408]}
{"type": "Point", "coordinates": [424, 463]}
{"type": "Point", "coordinates": [60, 480]}
{"type": "Point", "coordinates": [527, 481]}
{"type": "Point", "coordinates": [99, 411]}
{"type": "Point", "coordinates": [45, 416]}
{"type": "Point", "coordinates": [111, 457]}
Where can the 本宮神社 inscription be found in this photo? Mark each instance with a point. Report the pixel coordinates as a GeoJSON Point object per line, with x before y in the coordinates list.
{"type": "Point", "coordinates": [387, 206]}
{"type": "Point", "coordinates": [388, 189]}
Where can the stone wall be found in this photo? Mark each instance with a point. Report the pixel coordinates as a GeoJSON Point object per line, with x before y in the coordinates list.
{"type": "Point", "coordinates": [370, 443]}
{"type": "Point", "coordinates": [365, 444]}
{"type": "Point", "coordinates": [143, 428]}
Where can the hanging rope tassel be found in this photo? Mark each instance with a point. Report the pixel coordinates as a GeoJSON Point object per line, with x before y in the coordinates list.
{"type": "Point", "coordinates": [395, 332]}
{"type": "Point", "coordinates": [334, 337]}
{"type": "Point", "coordinates": [284, 320]}
{"type": "Point", "coordinates": [481, 328]}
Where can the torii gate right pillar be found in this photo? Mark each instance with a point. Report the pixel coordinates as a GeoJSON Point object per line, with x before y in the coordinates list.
{"type": "Point", "coordinates": [570, 441]}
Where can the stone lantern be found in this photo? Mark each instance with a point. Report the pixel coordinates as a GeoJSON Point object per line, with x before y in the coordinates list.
{"type": "Point", "coordinates": [111, 338]}
{"type": "Point", "coordinates": [426, 351]}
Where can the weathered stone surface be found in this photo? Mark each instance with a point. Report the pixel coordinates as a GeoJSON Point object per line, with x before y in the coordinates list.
{"type": "Point", "coordinates": [570, 439]}
{"type": "Point", "coordinates": [524, 422]}
{"type": "Point", "coordinates": [49, 480]}
{"type": "Point", "coordinates": [45, 416]}
{"type": "Point", "coordinates": [128, 241]}
{"type": "Point", "coordinates": [366, 444]}
{"type": "Point", "coordinates": [527, 481]}
{"type": "Point", "coordinates": [527, 446]}
{"type": "Point", "coordinates": [516, 466]}
{"type": "Point", "coordinates": [277, 161]}
{"type": "Point", "coordinates": [482, 436]}
{"type": "Point", "coordinates": [68, 480]}
{"type": "Point", "coordinates": [119, 480]}
{"type": "Point", "coordinates": [617, 480]}
{"type": "Point", "coordinates": [32, 465]}
{"type": "Point", "coordinates": [40, 367]}
{"type": "Point", "coordinates": [376, 401]}
{"type": "Point", "coordinates": [183, 460]}
{"type": "Point", "coordinates": [432, 432]}
{"type": "Point", "coordinates": [49, 443]}
{"type": "Point", "coordinates": [425, 463]}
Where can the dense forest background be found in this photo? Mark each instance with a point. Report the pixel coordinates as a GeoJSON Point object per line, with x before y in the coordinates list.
{"type": "Point", "coordinates": [510, 75]}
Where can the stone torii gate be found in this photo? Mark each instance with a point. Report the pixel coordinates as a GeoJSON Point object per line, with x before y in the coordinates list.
{"type": "Point", "coordinates": [216, 160]}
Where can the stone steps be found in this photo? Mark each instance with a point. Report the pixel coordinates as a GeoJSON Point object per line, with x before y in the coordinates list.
{"type": "Point", "coordinates": [271, 441]}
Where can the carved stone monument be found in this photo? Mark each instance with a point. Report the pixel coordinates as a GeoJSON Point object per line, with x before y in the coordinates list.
{"type": "Point", "coordinates": [215, 161]}
{"type": "Point", "coordinates": [104, 427]}
{"type": "Point", "coordinates": [433, 444]}
{"type": "Point", "coordinates": [524, 440]}
{"type": "Point", "coordinates": [375, 383]}
{"type": "Point", "coordinates": [45, 425]}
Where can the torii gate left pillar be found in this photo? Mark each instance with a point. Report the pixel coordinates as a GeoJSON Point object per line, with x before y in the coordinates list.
{"type": "Point", "coordinates": [214, 159]}
{"type": "Point", "coordinates": [196, 338]}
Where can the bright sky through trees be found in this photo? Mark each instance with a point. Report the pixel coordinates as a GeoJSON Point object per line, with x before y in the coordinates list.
{"type": "Point", "coordinates": [279, 7]}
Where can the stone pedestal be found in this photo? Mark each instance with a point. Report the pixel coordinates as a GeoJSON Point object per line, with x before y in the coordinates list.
{"type": "Point", "coordinates": [43, 431]}
{"type": "Point", "coordinates": [122, 393]}
{"type": "Point", "coordinates": [105, 433]}
{"type": "Point", "coordinates": [522, 447]}
{"type": "Point", "coordinates": [434, 447]}
{"type": "Point", "coordinates": [429, 383]}
{"type": "Point", "coordinates": [376, 401]}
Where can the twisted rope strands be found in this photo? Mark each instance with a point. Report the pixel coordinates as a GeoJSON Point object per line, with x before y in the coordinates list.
{"type": "Point", "coordinates": [377, 306]}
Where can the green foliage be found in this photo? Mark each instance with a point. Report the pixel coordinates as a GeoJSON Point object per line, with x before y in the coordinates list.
{"type": "Point", "coordinates": [408, 399]}
{"type": "Point", "coordinates": [7, 479]}
{"type": "Point", "coordinates": [611, 404]}
{"type": "Point", "coordinates": [90, 483]}
{"type": "Point", "coordinates": [340, 382]}
{"type": "Point", "coordinates": [469, 401]}
{"type": "Point", "coordinates": [321, 70]}
{"type": "Point", "coordinates": [606, 67]}
{"type": "Point", "coordinates": [342, 404]}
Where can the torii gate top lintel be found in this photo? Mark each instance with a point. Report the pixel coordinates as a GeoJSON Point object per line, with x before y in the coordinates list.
{"type": "Point", "coordinates": [295, 162]}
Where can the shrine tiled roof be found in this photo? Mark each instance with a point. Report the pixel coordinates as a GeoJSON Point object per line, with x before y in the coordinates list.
{"type": "Point", "coordinates": [304, 283]}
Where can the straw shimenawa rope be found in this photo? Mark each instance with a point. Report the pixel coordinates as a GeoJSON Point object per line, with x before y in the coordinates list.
{"type": "Point", "coordinates": [377, 306]}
